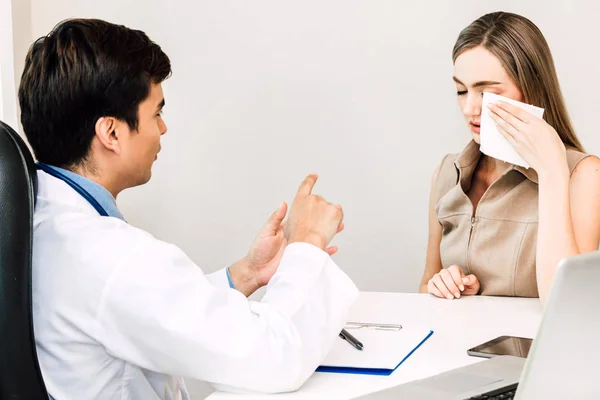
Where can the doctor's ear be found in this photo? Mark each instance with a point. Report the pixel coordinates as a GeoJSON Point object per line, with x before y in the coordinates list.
{"type": "Point", "coordinates": [107, 133]}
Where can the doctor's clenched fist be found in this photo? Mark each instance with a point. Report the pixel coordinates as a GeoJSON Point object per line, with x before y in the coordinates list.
{"type": "Point", "coordinates": [312, 219]}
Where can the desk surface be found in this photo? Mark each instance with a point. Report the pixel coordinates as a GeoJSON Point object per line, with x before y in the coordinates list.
{"type": "Point", "coordinates": [458, 325]}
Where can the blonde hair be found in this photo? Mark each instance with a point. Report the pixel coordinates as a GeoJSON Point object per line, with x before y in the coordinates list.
{"type": "Point", "coordinates": [526, 57]}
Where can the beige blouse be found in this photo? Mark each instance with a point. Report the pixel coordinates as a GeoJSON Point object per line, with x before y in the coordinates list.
{"type": "Point", "coordinates": [498, 243]}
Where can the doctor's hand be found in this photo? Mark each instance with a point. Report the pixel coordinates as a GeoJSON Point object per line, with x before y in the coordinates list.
{"type": "Point", "coordinates": [452, 283]}
{"type": "Point", "coordinates": [268, 247]}
{"type": "Point", "coordinates": [312, 219]}
{"type": "Point", "coordinates": [266, 251]}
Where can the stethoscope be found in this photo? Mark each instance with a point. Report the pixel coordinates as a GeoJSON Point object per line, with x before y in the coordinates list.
{"type": "Point", "coordinates": [84, 193]}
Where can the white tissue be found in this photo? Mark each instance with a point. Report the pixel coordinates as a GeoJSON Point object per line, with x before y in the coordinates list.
{"type": "Point", "coordinates": [492, 142]}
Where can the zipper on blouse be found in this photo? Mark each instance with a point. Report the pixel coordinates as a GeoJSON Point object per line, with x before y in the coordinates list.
{"type": "Point", "coordinates": [468, 266]}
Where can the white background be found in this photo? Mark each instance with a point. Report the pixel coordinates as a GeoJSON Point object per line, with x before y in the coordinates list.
{"type": "Point", "coordinates": [264, 92]}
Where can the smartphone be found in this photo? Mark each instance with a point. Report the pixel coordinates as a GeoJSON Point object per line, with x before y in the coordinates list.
{"type": "Point", "coordinates": [502, 346]}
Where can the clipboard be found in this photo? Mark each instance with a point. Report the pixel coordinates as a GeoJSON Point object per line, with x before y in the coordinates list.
{"type": "Point", "coordinates": [386, 347]}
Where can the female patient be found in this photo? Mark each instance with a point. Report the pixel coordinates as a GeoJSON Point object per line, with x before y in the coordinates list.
{"type": "Point", "coordinates": [496, 228]}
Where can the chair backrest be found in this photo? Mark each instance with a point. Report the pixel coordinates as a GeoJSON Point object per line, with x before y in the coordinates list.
{"type": "Point", "coordinates": [20, 375]}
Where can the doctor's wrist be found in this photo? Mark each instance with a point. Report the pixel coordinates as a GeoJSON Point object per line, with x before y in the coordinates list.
{"type": "Point", "coordinates": [243, 276]}
{"type": "Point", "coordinates": [311, 238]}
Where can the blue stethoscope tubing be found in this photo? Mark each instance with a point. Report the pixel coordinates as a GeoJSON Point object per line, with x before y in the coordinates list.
{"type": "Point", "coordinates": [84, 193]}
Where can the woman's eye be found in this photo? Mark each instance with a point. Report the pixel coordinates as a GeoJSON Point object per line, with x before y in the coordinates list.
{"type": "Point", "coordinates": [461, 92]}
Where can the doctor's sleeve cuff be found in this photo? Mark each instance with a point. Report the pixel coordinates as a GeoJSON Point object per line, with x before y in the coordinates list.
{"type": "Point", "coordinates": [229, 280]}
{"type": "Point", "coordinates": [302, 267]}
{"type": "Point", "coordinates": [220, 278]}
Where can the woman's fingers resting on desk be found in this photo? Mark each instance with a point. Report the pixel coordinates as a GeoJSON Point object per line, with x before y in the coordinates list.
{"type": "Point", "coordinates": [437, 287]}
{"type": "Point", "coordinates": [472, 285]}
{"type": "Point", "coordinates": [452, 283]}
{"type": "Point", "coordinates": [431, 288]}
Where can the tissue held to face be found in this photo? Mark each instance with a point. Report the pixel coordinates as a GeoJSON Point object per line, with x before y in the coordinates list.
{"type": "Point", "coordinates": [477, 71]}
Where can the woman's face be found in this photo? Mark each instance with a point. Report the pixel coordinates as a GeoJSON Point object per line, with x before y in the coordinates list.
{"type": "Point", "coordinates": [477, 71]}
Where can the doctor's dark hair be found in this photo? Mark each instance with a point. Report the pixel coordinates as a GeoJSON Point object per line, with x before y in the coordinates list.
{"type": "Point", "coordinates": [85, 69]}
{"type": "Point", "coordinates": [525, 55]}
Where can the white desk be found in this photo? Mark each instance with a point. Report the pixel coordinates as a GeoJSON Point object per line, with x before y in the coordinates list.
{"type": "Point", "coordinates": [458, 325]}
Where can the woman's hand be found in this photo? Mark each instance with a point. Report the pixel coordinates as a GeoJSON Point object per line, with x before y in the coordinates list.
{"type": "Point", "coordinates": [532, 137]}
{"type": "Point", "coordinates": [452, 283]}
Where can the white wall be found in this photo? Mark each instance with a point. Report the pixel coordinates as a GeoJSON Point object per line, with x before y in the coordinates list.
{"type": "Point", "coordinates": [1, 96]}
{"type": "Point", "coordinates": [22, 39]}
{"type": "Point", "coordinates": [15, 39]}
{"type": "Point", "coordinates": [8, 109]}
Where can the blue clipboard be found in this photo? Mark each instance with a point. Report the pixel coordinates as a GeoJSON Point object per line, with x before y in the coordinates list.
{"type": "Point", "coordinates": [372, 371]}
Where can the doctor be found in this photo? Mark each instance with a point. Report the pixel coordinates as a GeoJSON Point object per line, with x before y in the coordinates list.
{"type": "Point", "coordinates": [119, 314]}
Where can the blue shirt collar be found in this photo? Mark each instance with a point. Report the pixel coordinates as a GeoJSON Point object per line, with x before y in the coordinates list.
{"type": "Point", "coordinates": [98, 192]}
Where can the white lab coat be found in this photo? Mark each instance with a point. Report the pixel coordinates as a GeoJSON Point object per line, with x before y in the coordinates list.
{"type": "Point", "coordinates": [121, 315]}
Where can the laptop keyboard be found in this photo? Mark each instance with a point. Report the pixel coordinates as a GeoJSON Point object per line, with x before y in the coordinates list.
{"type": "Point", "coordinates": [505, 393]}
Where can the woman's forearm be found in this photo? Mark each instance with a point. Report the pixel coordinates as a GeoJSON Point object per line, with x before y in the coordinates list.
{"type": "Point", "coordinates": [556, 238]}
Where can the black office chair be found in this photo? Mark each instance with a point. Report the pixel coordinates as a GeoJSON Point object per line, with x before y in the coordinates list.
{"type": "Point", "coordinates": [20, 375]}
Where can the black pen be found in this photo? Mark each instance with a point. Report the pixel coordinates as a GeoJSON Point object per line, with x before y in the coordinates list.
{"type": "Point", "coordinates": [344, 334]}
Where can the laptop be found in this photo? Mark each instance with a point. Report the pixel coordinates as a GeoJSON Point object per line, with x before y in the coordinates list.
{"type": "Point", "coordinates": [563, 361]}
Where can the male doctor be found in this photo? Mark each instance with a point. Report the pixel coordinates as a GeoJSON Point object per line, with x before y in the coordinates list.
{"type": "Point", "coordinates": [119, 314]}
